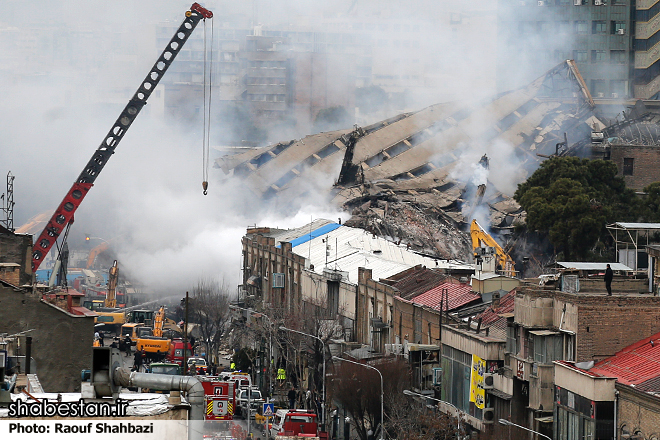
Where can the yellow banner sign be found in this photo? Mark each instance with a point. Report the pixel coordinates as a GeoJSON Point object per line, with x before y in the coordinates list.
{"type": "Point", "coordinates": [477, 393]}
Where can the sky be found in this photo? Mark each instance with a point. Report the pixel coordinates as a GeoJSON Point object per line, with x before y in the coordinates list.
{"type": "Point", "coordinates": [68, 68]}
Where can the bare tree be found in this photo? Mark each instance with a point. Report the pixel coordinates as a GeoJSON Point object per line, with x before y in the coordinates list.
{"type": "Point", "coordinates": [358, 390]}
{"type": "Point", "coordinates": [304, 353]}
{"type": "Point", "coordinates": [209, 308]}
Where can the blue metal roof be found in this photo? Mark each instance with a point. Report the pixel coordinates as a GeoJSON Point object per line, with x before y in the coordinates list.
{"type": "Point", "coordinates": [315, 233]}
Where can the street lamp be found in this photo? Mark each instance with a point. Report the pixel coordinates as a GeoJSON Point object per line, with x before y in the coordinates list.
{"type": "Point", "coordinates": [507, 423]}
{"type": "Point", "coordinates": [270, 348]}
{"type": "Point", "coordinates": [323, 345]}
{"type": "Point", "coordinates": [382, 425]}
{"type": "Point", "coordinates": [458, 411]}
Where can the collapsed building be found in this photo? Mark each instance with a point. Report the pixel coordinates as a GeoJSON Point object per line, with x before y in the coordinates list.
{"type": "Point", "coordinates": [415, 178]}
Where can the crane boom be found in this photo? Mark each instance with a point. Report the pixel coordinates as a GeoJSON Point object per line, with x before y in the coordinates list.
{"type": "Point", "coordinates": [64, 213]}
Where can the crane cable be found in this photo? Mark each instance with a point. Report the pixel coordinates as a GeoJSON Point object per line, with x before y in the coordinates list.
{"type": "Point", "coordinates": [206, 131]}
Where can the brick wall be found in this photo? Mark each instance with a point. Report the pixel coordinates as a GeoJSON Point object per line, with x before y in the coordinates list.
{"type": "Point", "coordinates": [11, 275]}
{"type": "Point", "coordinates": [405, 314]}
{"type": "Point", "coordinates": [262, 258]}
{"type": "Point", "coordinates": [17, 248]}
{"type": "Point", "coordinates": [374, 299]}
{"type": "Point", "coordinates": [61, 343]}
{"type": "Point", "coordinates": [637, 411]}
{"type": "Point", "coordinates": [646, 164]}
{"type": "Point", "coordinates": [609, 324]}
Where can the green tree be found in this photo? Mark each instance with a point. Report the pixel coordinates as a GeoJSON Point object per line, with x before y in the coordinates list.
{"type": "Point", "coordinates": [650, 211]}
{"type": "Point", "coordinates": [243, 359]}
{"type": "Point", "coordinates": [332, 118]}
{"type": "Point", "coordinates": [371, 99]}
{"type": "Point", "coordinates": [572, 200]}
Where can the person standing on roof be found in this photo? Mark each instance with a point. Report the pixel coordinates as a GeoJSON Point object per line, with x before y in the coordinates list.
{"type": "Point", "coordinates": [609, 275]}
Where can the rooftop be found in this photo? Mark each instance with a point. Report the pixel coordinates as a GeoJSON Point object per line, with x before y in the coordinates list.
{"type": "Point", "coordinates": [457, 295]}
{"type": "Point", "coordinates": [635, 364]}
{"type": "Point", "coordinates": [345, 249]}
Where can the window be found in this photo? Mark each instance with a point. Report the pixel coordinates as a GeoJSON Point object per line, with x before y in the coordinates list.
{"type": "Point", "coordinates": [581, 27]}
{"type": "Point", "coordinates": [569, 353]}
{"type": "Point", "coordinates": [619, 27]}
{"type": "Point", "coordinates": [597, 56]}
{"type": "Point", "coordinates": [628, 165]}
{"type": "Point", "coordinates": [598, 27]}
{"type": "Point", "coordinates": [548, 348]}
{"type": "Point", "coordinates": [580, 56]}
{"type": "Point", "coordinates": [511, 340]}
{"type": "Point", "coordinates": [618, 56]}
{"type": "Point", "coordinates": [598, 88]}
{"type": "Point", "coordinates": [618, 88]}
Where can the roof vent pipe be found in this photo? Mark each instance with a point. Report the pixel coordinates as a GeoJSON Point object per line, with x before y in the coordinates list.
{"type": "Point", "coordinates": [190, 384]}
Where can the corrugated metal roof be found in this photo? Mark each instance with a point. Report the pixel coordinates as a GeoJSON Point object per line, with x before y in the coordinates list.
{"type": "Point", "coordinates": [457, 295]}
{"type": "Point", "coordinates": [543, 332]}
{"type": "Point", "coordinates": [638, 225]}
{"type": "Point", "coordinates": [417, 280]}
{"type": "Point", "coordinates": [592, 266]}
{"type": "Point", "coordinates": [289, 235]}
{"type": "Point", "coordinates": [345, 249]}
{"type": "Point", "coordinates": [635, 364]}
{"type": "Point", "coordinates": [315, 233]}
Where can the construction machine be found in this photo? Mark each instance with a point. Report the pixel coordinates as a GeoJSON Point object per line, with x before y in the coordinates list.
{"type": "Point", "coordinates": [61, 220]}
{"type": "Point", "coordinates": [154, 345]}
{"type": "Point", "coordinates": [487, 250]}
{"type": "Point", "coordinates": [109, 315]}
{"type": "Point", "coordinates": [95, 252]}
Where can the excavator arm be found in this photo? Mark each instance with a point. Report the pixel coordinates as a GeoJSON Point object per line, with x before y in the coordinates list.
{"type": "Point", "coordinates": [481, 238]}
{"type": "Point", "coordinates": [64, 213]}
{"type": "Point", "coordinates": [111, 296]}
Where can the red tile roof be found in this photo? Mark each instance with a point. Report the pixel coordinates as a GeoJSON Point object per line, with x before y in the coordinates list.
{"type": "Point", "coordinates": [457, 295]}
{"type": "Point", "coordinates": [83, 311]}
{"type": "Point", "coordinates": [634, 364]}
{"type": "Point", "coordinates": [491, 315]}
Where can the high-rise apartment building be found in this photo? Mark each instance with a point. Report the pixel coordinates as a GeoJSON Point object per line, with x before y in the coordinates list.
{"type": "Point", "coordinates": [615, 43]}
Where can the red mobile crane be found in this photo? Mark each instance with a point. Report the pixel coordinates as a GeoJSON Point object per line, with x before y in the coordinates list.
{"type": "Point", "coordinates": [63, 216]}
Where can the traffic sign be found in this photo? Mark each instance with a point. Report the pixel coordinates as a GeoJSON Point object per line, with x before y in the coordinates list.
{"type": "Point", "coordinates": [269, 409]}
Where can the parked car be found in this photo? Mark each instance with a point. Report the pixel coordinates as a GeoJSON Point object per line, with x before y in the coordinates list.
{"type": "Point", "coordinates": [256, 402]}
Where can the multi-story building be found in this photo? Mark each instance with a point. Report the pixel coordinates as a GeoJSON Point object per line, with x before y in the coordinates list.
{"type": "Point", "coordinates": [602, 36]}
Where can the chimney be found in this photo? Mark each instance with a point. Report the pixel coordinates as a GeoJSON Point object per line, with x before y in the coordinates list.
{"type": "Point", "coordinates": [496, 300]}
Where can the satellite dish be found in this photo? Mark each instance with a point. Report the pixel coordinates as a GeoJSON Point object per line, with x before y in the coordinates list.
{"type": "Point", "coordinates": [585, 365]}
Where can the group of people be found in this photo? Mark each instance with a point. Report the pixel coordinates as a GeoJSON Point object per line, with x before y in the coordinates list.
{"type": "Point", "coordinates": [309, 400]}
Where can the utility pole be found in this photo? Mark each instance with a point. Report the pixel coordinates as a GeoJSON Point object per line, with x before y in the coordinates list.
{"type": "Point", "coordinates": [185, 340]}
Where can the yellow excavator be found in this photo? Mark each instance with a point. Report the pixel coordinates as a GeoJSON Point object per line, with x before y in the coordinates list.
{"type": "Point", "coordinates": [155, 345]}
{"type": "Point", "coordinates": [109, 314]}
{"type": "Point", "coordinates": [481, 241]}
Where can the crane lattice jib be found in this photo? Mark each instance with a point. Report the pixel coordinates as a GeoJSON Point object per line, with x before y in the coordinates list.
{"type": "Point", "coordinates": [64, 213]}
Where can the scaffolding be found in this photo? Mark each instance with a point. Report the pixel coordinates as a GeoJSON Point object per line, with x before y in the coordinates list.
{"type": "Point", "coordinates": [627, 237]}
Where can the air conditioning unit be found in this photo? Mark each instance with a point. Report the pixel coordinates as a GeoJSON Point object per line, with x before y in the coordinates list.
{"type": "Point", "coordinates": [541, 3]}
{"type": "Point", "coordinates": [396, 349]}
{"type": "Point", "coordinates": [577, 2]}
{"type": "Point", "coordinates": [598, 2]}
{"type": "Point", "coordinates": [601, 94]}
{"type": "Point", "coordinates": [621, 31]}
{"type": "Point", "coordinates": [489, 416]}
{"type": "Point", "coordinates": [489, 381]}
{"type": "Point", "coordinates": [615, 95]}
